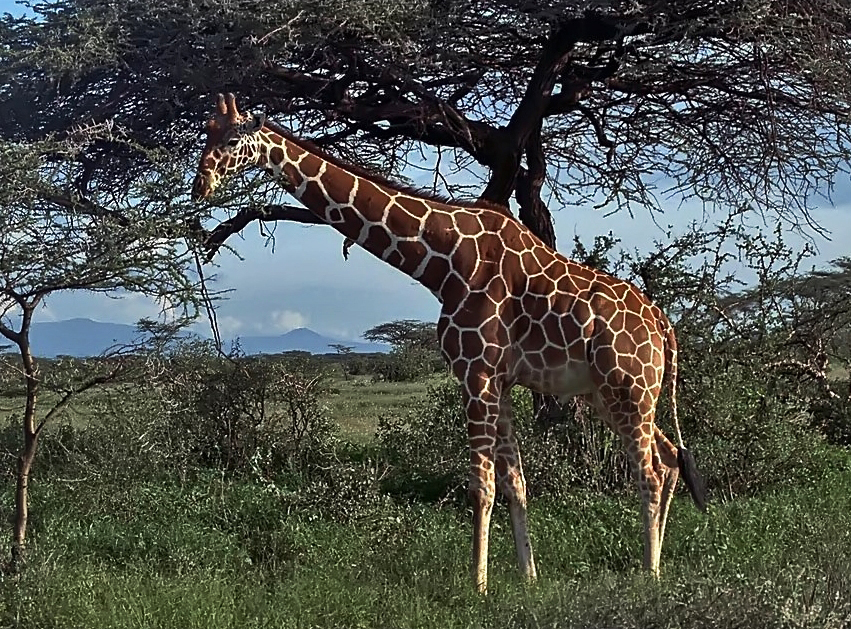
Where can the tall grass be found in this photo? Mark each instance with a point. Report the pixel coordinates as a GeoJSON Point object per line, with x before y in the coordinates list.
{"type": "Point", "coordinates": [139, 520]}
{"type": "Point", "coordinates": [215, 553]}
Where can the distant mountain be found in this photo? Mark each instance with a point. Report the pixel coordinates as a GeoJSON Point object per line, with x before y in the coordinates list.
{"type": "Point", "coordinates": [84, 337]}
{"type": "Point", "coordinates": [78, 337]}
{"type": "Point", "coordinates": [302, 340]}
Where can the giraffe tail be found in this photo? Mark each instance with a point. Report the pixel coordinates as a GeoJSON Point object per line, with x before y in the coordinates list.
{"type": "Point", "coordinates": [685, 459]}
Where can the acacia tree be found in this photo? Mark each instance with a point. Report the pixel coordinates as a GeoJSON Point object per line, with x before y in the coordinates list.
{"type": "Point", "coordinates": [623, 104]}
{"type": "Point", "coordinates": [53, 240]}
{"type": "Point", "coordinates": [405, 332]}
{"type": "Point", "coordinates": [612, 102]}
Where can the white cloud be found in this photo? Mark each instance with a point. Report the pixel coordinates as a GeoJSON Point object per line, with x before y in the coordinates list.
{"type": "Point", "coordinates": [340, 333]}
{"type": "Point", "coordinates": [228, 326]}
{"type": "Point", "coordinates": [286, 320]}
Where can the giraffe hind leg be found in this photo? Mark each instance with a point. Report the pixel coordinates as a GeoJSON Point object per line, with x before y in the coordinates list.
{"type": "Point", "coordinates": [665, 462]}
{"type": "Point", "coordinates": [509, 475]}
{"type": "Point", "coordinates": [641, 456]}
{"type": "Point", "coordinates": [635, 429]}
{"type": "Point", "coordinates": [650, 488]}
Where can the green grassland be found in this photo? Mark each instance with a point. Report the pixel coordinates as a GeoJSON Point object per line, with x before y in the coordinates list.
{"type": "Point", "coordinates": [356, 403]}
{"type": "Point", "coordinates": [214, 551]}
{"type": "Point", "coordinates": [226, 555]}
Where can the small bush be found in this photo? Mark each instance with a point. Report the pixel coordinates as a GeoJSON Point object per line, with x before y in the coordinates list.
{"type": "Point", "coordinates": [576, 451]}
{"type": "Point", "coordinates": [195, 411]}
{"type": "Point", "coordinates": [406, 363]}
{"type": "Point", "coordinates": [428, 448]}
{"type": "Point", "coordinates": [243, 414]}
{"type": "Point", "coordinates": [832, 417]}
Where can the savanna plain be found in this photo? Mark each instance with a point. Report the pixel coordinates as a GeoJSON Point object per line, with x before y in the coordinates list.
{"type": "Point", "coordinates": [308, 493]}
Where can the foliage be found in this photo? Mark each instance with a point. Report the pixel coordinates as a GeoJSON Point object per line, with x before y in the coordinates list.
{"type": "Point", "coordinates": [55, 237]}
{"type": "Point", "coordinates": [407, 363]}
{"type": "Point", "coordinates": [415, 353]}
{"type": "Point", "coordinates": [752, 369]}
{"type": "Point", "coordinates": [194, 410]}
{"type": "Point", "coordinates": [598, 103]}
{"type": "Point", "coordinates": [427, 445]}
{"type": "Point", "coordinates": [240, 414]}
{"type": "Point", "coordinates": [404, 333]}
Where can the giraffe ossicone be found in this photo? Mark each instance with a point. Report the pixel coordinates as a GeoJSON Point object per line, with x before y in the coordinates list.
{"type": "Point", "coordinates": [514, 311]}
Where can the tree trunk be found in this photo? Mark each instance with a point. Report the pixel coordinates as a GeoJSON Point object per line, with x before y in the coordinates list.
{"type": "Point", "coordinates": [31, 432]}
{"type": "Point", "coordinates": [19, 528]}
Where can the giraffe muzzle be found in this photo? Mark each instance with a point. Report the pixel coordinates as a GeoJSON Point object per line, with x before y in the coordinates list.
{"type": "Point", "coordinates": [201, 188]}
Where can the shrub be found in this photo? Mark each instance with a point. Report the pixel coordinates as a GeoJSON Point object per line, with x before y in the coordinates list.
{"type": "Point", "coordinates": [429, 453]}
{"type": "Point", "coordinates": [241, 414]}
{"type": "Point", "coordinates": [832, 417]}
{"type": "Point", "coordinates": [196, 410]}
{"type": "Point", "coordinates": [406, 363]}
{"type": "Point", "coordinates": [427, 446]}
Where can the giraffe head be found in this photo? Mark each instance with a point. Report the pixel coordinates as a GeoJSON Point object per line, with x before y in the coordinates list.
{"type": "Point", "coordinates": [233, 143]}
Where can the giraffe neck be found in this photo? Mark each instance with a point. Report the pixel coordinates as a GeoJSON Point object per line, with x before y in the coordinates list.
{"type": "Point", "coordinates": [403, 230]}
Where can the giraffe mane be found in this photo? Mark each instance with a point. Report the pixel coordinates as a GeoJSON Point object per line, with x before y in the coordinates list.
{"type": "Point", "coordinates": [480, 204]}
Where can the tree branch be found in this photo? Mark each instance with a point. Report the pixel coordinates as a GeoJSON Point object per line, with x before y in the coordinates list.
{"type": "Point", "coordinates": [217, 237]}
{"type": "Point", "coordinates": [804, 369]}
{"type": "Point", "coordinates": [530, 180]}
{"type": "Point", "coordinates": [536, 100]}
{"type": "Point", "coordinates": [85, 386]}
{"type": "Point", "coordinates": [10, 334]}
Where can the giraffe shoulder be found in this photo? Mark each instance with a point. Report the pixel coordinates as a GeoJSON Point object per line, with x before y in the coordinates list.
{"type": "Point", "coordinates": [484, 204]}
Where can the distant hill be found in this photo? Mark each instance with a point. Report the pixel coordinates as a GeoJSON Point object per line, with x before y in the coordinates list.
{"type": "Point", "coordinates": [302, 340]}
{"type": "Point", "coordinates": [78, 337]}
{"type": "Point", "coordinates": [84, 337]}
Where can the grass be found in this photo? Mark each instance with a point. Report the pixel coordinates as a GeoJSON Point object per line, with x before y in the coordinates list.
{"type": "Point", "coordinates": [357, 403]}
{"type": "Point", "coordinates": [122, 551]}
{"type": "Point", "coordinates": [354, 403]}
{"type": "Point", "coordinates": [223, 554]}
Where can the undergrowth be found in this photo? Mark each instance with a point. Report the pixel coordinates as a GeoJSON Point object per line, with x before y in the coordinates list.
{"type": "Point", "coordinates": [215, 552]}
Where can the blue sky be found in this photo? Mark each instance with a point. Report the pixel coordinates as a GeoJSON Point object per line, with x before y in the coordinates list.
{"type": "Point", "coordinates": [304, 281]}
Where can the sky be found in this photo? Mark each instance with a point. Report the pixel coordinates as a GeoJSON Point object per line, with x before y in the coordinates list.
{"type": "Point", "coordinates": [303, 281]}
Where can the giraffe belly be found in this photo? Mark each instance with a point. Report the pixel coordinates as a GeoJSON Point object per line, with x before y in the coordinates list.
{"type": "Point", "coordinates": [565, 381]}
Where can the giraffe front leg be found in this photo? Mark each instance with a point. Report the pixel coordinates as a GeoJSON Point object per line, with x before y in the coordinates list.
{"type": "Point", "coordinates": [482, 406]}
{"type": "Point", "coordinates": [509, 474]}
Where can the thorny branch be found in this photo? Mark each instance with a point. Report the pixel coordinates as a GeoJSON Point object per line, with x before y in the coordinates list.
{"type": "Point", "coordinates": [734, 103]}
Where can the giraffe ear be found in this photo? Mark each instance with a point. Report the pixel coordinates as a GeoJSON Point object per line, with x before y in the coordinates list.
{"type": "Point", "coordinates": [231, 110]}
{"type": "Point", "coordinates": [254, 123]}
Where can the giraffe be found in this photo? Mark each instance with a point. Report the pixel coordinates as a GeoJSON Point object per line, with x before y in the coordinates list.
{"type": "Point", "coordinates": [514, 311]}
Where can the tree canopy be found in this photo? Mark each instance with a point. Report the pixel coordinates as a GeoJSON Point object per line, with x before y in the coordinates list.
{"type": "Point", "coordinates": [407, 332]}
{"type": "Point", "coordinates": [57, 236]}
{"type": "Point", "coordinates": [621, 104]}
